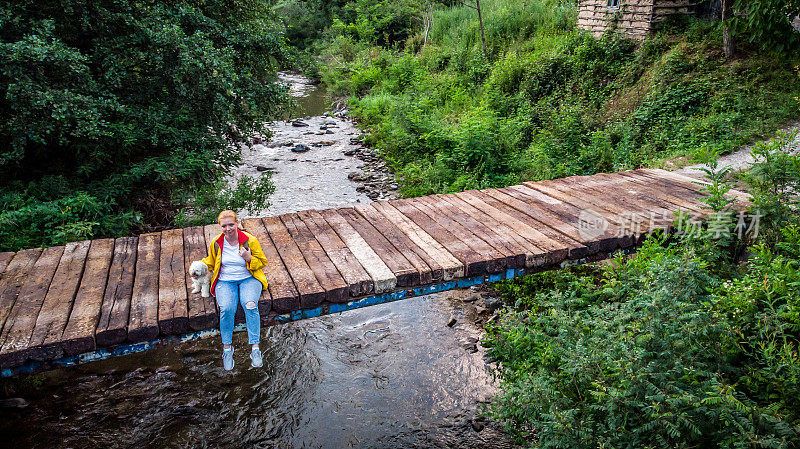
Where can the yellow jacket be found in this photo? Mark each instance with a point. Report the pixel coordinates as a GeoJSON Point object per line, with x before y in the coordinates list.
{"type": "Point", "coordinates": [257, 262]}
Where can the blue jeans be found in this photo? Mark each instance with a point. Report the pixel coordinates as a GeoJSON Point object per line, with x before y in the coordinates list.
{"type": "Point", "coordinates": [229, 295]}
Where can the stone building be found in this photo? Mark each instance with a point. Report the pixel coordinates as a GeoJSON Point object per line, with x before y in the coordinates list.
{"type": "Point", "coordinates": [635, 18]}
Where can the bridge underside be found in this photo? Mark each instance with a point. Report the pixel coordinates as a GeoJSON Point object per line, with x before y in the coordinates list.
{"type": "Point", "coordinates": [95, 299]}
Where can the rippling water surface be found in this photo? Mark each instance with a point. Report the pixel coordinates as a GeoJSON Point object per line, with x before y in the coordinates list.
{"type": "Point", "coordinates": [385, 376]}
{"type": "Point", "coordinates": [392, 375]}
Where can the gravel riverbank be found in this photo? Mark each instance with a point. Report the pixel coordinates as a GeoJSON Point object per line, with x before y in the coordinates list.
{"type": "Point", "coordinates": [316, 162]}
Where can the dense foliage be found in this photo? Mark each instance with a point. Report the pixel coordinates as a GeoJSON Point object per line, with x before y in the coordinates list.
{"type": "Point", "coordinates": [113, 112]}
{"type": "Point", "coordinates": [664, 349]}
{"type": "Point", "coordinates": [311, 24]}
{"type": "Point", "coordinates": [767, 22]}
{"type": "Point", "coordinates": [551, 100]}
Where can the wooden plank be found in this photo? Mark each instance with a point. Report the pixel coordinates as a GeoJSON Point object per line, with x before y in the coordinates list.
{"type": "Point", "coordinates": [405, 272]}
{"type": "Point", "coordinates": [558, 246]}
{"type": "Point", "coordinates": [266, 301]}
{"type": "Point", "coordinates": [202, 311]}
{"type": "Point", "coordinates": [52, 319]}
{"type": "Point", "coordinates": [79, 333]}
{"type": "Point", "coordinates": [496, 261]}
{"type": "Point", "coordinates": [473, 262]}
{"type": "Point", "coordinates": [644, 197]}
{"type": "Point", "coordinates": [143, 320]}
{"type": "Point", "coordinates": [611, 211]}
{"type": "Point", "coordinates": [668, 190]}
{"type": "Point", "coordinates": [211, 233]}
{"type": "Point", "coordinates": [324, 269]}
{"type": "Point", "coordinates": [499, 257]}
{"type": "Point", "coordinates": [534, 218]}
{"type": "Point", "coordinates": [311, 292]}
{"type": "Point", "coordinates": [742, 199]}
{"type": "Point", "coordinates": [112, 327]}
{"type": "Point", "coordinates": [282, 292]}
{"type": "Point", "coordinates": [664, 191]}
{"type": "Point", "coordinates": [5, 258]}
{"type": "Point", "coordinates": [557, 216]}
{"type": "Point", "coordinates": [16, 336]}
{"type": "Point", "coordinates": [173, 307]}
{"type": "Point", "coordinates": [655, 191]}
{"type": "Point", "coordinates": [15, 274]}
{"type": "Point", "coordinates": [694, 184]}
{"type": "Point", "coordinates": [534, 255]}
{"type": "Point", "coordinates": [612, 188]}
{"type": "Point", "coordinates": [382, 277]}
{"type": "Point", "coordinates": [429, 270]}
{"type": "Point", "coordinates": [614, 237]}
{"type": "Point", "coordinates": [450, 265]}
{"type": "Point", "coordinates": [348, 265]}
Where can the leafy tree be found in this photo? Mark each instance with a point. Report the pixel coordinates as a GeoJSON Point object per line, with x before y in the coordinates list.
{"type": "Point", "coordinates": [306, 20]}
{"type": "Point", "coordinates": [766, 22]}
{"type": "Point", "coordinates": [121, 105]}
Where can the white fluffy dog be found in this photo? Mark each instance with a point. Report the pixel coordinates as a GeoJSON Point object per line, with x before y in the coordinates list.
{"type": "Point", "coordinates": [199, 273]}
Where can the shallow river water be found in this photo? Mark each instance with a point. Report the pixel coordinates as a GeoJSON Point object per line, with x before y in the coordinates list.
{"type": "Point", "coordinates": [386, 376]}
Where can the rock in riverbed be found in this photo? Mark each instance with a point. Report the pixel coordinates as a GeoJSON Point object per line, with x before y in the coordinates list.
{"type": "Point", "coordinates": [478, 424]}
{"type": "Point", "coordinates": [323, 170]}
{"type": "Point", "coordinates": [492, 303]}
{"type": "Point", "coordinates": [300, 148]}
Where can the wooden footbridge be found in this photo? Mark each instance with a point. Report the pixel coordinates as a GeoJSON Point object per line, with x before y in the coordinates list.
{"type": "Point", "coordinates": [83, 296]}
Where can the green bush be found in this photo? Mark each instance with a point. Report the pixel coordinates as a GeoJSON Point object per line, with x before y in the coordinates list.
{"type": "Point", "coordinates": [27, 221]}
{"type": "Point", "coordinates": [247, 194]}
{"type": "Point", "coordinates": [643, 361]}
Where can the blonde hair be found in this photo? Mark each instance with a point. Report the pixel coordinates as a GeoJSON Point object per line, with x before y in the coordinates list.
{"type": "Point", "coordinates": [227, 214]}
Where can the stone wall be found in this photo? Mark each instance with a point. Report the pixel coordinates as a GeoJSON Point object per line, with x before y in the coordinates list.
{"type": "Point", "coordinates": [635, 18]}
{"type": "Point", "coordinates": [632, 17]}
{"type": "Point", "coordinates": [665, 8]}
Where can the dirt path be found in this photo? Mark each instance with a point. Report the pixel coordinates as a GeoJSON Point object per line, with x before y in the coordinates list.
{"type": "Point", "coordinates": [739, 159]}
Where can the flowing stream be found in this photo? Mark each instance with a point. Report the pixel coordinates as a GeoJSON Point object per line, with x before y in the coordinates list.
{"type": "Point", "coordinates": [393, 375]}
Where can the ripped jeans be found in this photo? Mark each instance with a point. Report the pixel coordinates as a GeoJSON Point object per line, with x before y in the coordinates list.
{"type": "Point", "coordinates": [229, 295]}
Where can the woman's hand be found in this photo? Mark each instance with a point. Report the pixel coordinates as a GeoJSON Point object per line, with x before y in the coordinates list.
{"type": "Point", "coordinates": [245, 253]}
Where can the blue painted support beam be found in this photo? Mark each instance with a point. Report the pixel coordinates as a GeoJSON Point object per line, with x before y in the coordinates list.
{"type": "Point", "coordinates": [124, 349]}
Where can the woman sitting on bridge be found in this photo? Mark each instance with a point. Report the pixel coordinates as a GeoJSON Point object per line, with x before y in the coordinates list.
{"type": "Point", "coordinates": [235, 259]}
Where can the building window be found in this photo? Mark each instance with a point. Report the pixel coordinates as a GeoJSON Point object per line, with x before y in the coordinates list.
{"type": "Point", "coordinates": [612, 3]}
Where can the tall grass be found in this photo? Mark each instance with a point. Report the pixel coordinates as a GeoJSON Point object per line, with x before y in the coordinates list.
{"type": "Point", "coordinates": [506, 22]}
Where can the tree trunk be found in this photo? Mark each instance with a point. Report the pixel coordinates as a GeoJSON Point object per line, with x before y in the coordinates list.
{"type": "Point", "coordinates": [427, 20]}
{"type": "Point", "coordinates": [728, 46]}
{"type": "Point", "coordinates": [483, 36]}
